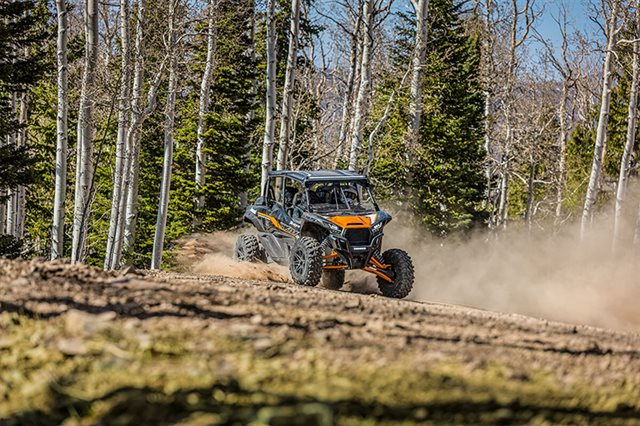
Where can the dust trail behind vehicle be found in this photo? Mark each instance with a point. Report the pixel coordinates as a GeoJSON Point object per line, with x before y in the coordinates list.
{"type": "Point", "coordinates": [551, 276]}
{"type": "Point", "coordinates": [556, 277]}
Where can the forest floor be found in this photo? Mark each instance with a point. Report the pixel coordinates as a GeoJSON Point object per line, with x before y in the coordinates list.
{"type": "Point", "coordinates": [82, 346]}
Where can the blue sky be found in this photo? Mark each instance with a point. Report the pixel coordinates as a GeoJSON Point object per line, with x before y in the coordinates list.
{"type": "Point", "coordinates": [578, 12]}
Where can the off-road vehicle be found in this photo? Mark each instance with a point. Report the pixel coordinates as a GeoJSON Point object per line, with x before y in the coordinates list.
{"type": "Point", "coordinates": [322, 223]}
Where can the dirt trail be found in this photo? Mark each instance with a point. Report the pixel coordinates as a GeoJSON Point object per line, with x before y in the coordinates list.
{"type": "Point", "coordinates": [83, 346]}
{"type": "Point", "coordinates": [557, 277]}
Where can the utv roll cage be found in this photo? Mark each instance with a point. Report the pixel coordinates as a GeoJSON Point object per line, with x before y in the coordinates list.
{"type": "Point", "coordinates": [307, 179]}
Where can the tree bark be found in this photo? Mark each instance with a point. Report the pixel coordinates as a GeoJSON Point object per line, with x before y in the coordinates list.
{"type": "Point", "coordinates": [625, 163]}
{"type": "Point", "coordinates": [139, 113]}
{"type": "Point", "coordinates": [11, 192]}
{"type": "Point", "coordinates": [21, 190]}
{"type": "Point", "coordinates": [603, 119]}
{"type": "Point", "coordinates": [349, 91]}
{"type": "Point", "coordinates": [269, 127]}
{"type": "Point", "coordinates": [165, 187]}
{"type": "Point", "coordinates": [365, 78]}
{"type": "Point", "coordinates": [62, 133]}
{"type": "Point", "coordinates": [203, 110]}
{"type": "Point", "coordinates": [562, 142]}
{"type": "Point", "coordinates": [124, 106]}
{"type": "Point", "coordinates": [415, 105]}
{"type": "Point", "coordinates": [85, 133]}
{"type": "Point", "coordinates": [289, 82]}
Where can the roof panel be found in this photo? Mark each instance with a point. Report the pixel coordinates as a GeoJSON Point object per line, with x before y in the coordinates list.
{"type": "Point", "coordinates": [319, 175]}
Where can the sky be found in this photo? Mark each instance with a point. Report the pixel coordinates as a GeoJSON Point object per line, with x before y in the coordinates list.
{"type": "Point", "coordinates": [578, 13]}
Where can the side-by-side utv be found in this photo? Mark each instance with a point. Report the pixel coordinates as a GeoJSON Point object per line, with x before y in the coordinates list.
{"type": "Point", "coordinates": [322, 223]}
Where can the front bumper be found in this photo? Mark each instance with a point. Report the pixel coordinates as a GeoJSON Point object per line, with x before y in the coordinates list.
{"type": "Point", "coordinates": [354, 256]}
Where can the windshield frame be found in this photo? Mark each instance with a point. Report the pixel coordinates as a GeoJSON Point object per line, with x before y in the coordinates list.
{"type": "Point", "coordinates": [361, 186]}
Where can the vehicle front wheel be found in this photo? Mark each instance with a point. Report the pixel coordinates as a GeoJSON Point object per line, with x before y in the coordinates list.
{"type": "Point", "coordinates": [333, 279]}
{"type": "Point", "coordinates": [248, 249]}
{"type": "Point", "coordinates": [401, 270]}
{"type": "Point", "coordinates": [305, 262]}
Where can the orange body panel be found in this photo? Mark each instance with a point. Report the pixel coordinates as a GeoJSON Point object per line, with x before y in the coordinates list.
{"type": "Point", "coordinates": [351, 221]}
{"type": "Point", "coordinates": [275, 223]}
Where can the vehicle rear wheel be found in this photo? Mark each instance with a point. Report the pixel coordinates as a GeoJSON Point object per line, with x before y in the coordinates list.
{"type": "Point", "coordinates": [401, 270]}
{"type": "Point", "coordinates": [333, 279]}
{"type": "Point", "coordinates": [305, 262]}
{"type": "Point", "coordinates": [248, 249]}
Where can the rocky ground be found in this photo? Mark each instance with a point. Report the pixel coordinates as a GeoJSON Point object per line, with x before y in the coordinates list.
{"type": "Point", "coordinates": [82, 346]}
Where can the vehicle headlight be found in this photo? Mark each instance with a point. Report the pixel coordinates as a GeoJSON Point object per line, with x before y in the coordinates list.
{"type": "Point", "coordinates": [334, 227]}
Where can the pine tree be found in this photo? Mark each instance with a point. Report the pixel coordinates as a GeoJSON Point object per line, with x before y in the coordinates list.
{"type": "Point", "coordinates": [446, 178]}
{"type": "Point", "coordinates": [23, 32]}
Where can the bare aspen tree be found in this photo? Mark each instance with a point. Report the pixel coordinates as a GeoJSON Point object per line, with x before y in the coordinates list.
{"type": "Point", "coordinates": [140, 110]}
{"type": "Point", "coordinates": [354, 37]}
{"type": "Point", "coordinates": [170, 111]}
{"type": "Point", "coordinates": [603, 119]}
{"type": "Point", "coordinates": [566, 73]}
{"type": "Point", "coordinates": [269, 126]}
{"type": "Point", "coordinates": [131, 195]}
{"type": "Point", "coordinates": [124, 105]}
{"type": "Point", "coordinates": [381, 123]}
{"type": "Point", "coordinates": [625, 162]}
{"type": "Point", "coordinates": [365, 78]}
{"type": "Point", "coordinates": [21, 190]}
{"type": "Point", "coordinates": [289, 81]}
{"type": "Point", "coordinates": [205, 93]}
{"type": "Point", "coordinates": [562, 64]}
{"type": "Point", "coordinates": [62, 133]}
{"type": "Point", "coordinates": [421, 8]}
{"type": "Point", "coordinates": [11, 193]}
{"type": "Point", "coordinates": [517, 37]}
{"type": "Point", "coordinates": [85, 133]}
{"type": "Point", "coordinates": [3, 212]}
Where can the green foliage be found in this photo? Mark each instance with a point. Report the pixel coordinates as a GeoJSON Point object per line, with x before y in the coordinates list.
{"type": "Point", "coordinates": [10, 246]}
{"type": "Point", "coordinates": [231, 127]}
{"type": "Point", "coordinates": [446, 178]}
{"type": "Point", "coordinates": [23, 31]}
{"type": "Point", "coordinates": [580, 149]}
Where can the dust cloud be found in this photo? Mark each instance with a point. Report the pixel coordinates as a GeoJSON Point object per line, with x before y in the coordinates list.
{"type": "Point", "coordinates": [556, 277]}
{"type": "Point", "coordinates": [213, 254]}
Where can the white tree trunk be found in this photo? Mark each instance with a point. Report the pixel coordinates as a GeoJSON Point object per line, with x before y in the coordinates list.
{"type": "Point", "coordinates": [349, 92]}
{"type": "Point", "coordinates": [21, 201]}
{"type": "Point", "coordinates": [365, 78]}
{"type": "Point", "coordinates": [165, 186]}
{"type": "Point", "coordinates": [203, 110]}
{"type": "Point", "coordinates": [129, 195]}
{"type": "Point", "coordinates": [62, 133]}
{"type": "Point", "coordinates": [562, 142]}
{"type": "Point", "coordinates": [3, 212]}
{"type": "Point", "coordinates": [380, 125]}
{"type": "Point", "coordinates": [124, 106]}
{"type": "Point", "coordinates": [85, 133]}
{"type": "Point", "coordinates": [625, 163]}
{"type": "Point", "coordinates": [269, 126]}
{"type": "Point", "coordinates": [289, 81]}
{"type": "Point", "coordinates": [415, 105]}
{"type": "Point", "coordinates": [11, 193]}
{"type": "Point", "coordinates": [603, 120]}
{"type": "Point", "coordinates": [11, 212]}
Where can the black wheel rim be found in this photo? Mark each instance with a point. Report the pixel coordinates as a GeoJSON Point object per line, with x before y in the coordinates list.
{"type": "Point", "coordinates": [299, 261]}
